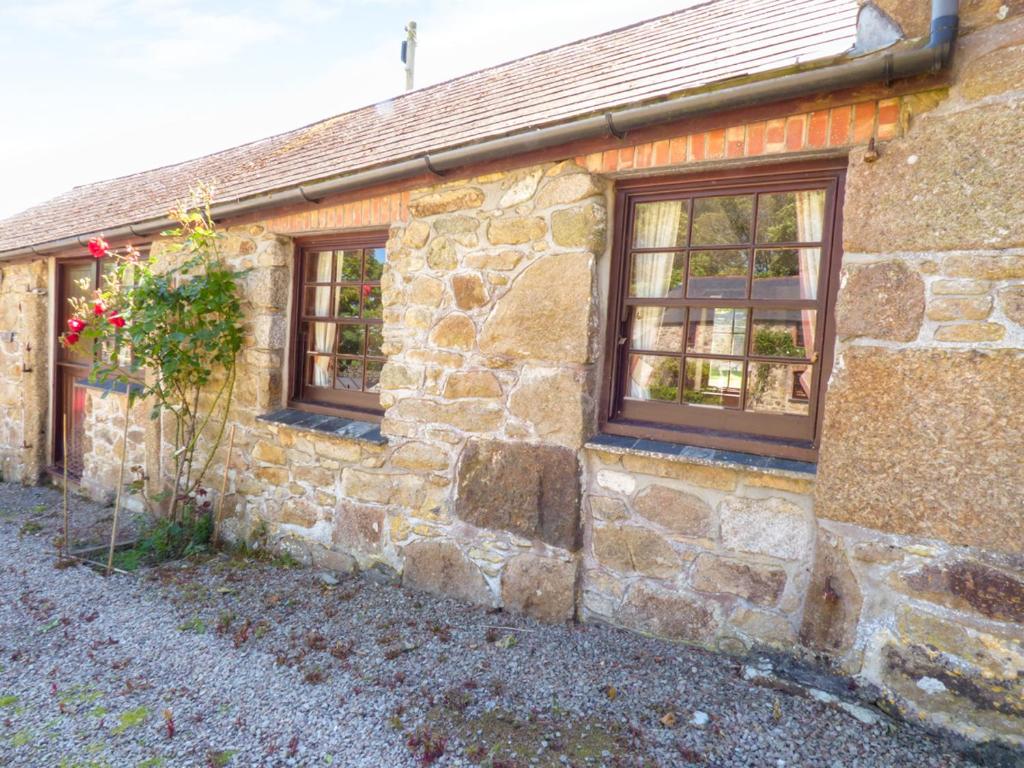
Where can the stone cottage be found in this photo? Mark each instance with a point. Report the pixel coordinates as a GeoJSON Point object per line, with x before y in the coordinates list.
{"type": "Point", "coordinates": [711, 327]}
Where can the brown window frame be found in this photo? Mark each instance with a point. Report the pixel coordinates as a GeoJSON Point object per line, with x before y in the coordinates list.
{"type": "Point", "coordinates": [363, 405]}
{"type": "Point", "coordinates": [775, 435]}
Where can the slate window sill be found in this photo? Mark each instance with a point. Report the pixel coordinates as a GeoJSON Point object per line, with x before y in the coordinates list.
{"type": "Point", "coordinates": [331, 426]}
{"type": "Point", "coordinates": [696, 455]}
{"type": "Point", "coordinates": [116, 387]}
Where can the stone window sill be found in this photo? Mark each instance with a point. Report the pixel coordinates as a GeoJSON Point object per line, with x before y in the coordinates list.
{"type": "Point", "coordinates": [691, 454]}
{"type": "Point", "coordinates": [330, 426]}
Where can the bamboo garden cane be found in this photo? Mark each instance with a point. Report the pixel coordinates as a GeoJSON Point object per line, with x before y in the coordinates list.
{"type": "Point", "coordinates": [120, 482]}
{"type": "Point", "coordinates": [223, 487]}
{"type": "Point", "coordinates": [65, 545]}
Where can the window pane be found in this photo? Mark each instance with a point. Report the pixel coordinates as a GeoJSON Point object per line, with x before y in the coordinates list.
{"type": "Point", "coordinates": [718, 274]}
{"type": "Point", "coordinates": [347, 302]}
{"type": "Point", "coordinates": [319, 372]}
{"type": "Point", "coordinates": [375, 258]}
{"type": "Point", "coordinates": [713, 382]}
{"type": "Point", "coordinates": [350, 341]}
{"type": "Point", "coordinates": [371, 301]}
{"type": "Point", "coordinates": [779, 388]}
{"type": "Point", "coordinates": [350, 374]}
{"type": "Point", "coordinates": [786, 273]}
{"type": "Point", "coordinates": [350, 266]}
{"type": "Point", "coordinates": [374, 340]}
{"type": "Point", "coordinates": [318, 267]}
{"type": "Point", "coordinates": [717, 331]}
{"type": "Point", "coordinates": [660, 225]}
{"type": "Point", "coordinates": [653, 378]}
{"type": "Point", "coordinates": [320, 337]}
{"type": "Point", "coordinates": [658, 329]}
{"type": "Point", "coordinates": [722, 220]}
{"type": "Point", "coordinates": [656, 274]}
{"type": "Point", "coordinates": [791, 217]}
{"type": "Point", "coordinates": [317, 302]}
{"type": "Point", "coordinates": [783, 332]}
{"type": "Point", "coordinates": [373, 375]}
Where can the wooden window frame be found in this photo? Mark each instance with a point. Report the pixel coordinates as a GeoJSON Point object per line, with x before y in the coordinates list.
{"type": "Point", "coordinates": [721, 428]}
{"type": "Point", "coordinates": [361, 405]}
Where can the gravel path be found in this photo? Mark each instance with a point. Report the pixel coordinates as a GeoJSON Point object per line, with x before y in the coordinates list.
{"type": "Point", "coordinates": [253, 664]}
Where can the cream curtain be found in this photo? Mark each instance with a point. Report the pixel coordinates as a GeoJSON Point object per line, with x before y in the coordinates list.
{"type": "Point", "coordinates": [323, 333]}
{"type": "Point", "coordinates": [810, 215]}
{"type": "Point", "coordinates": [655, 226]}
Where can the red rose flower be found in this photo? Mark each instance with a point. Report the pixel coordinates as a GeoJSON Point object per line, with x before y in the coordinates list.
{"type": "Point", "coordinates": [76, 324]}
{"type": "Point", "coordinates": [97, 309]}
{"type": "Point", "coordinates": [116, 320]}
{"type": "Point", "coordinates": [70, 338]}
{"type": "Point", "coordinates": [366, 290]}
{"type": "Point", "coordinates": [98, 247]}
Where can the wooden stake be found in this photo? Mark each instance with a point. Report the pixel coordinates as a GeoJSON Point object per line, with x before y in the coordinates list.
{"type": "Point", "coordinates": [66, 547]}
{"type": "Point", "coordinates": [120, 482]}
{"type": "Point", "coordinates": [223, 487]}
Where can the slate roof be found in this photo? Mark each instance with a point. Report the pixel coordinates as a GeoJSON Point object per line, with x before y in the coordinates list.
{"type": "Point", "coordinates": [692, 48]}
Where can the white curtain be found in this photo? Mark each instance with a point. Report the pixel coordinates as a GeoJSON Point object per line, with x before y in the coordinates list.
{"type": "Point", "coordinates": [810, 214]}
{"type": "Point", "coordinates": [323, 332]}
{"type": "Point", "coordinates": [655, 226]}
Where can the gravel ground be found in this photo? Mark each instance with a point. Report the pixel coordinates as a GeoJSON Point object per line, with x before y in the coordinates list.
{"type": "Point", "coordinates": [244, 663]}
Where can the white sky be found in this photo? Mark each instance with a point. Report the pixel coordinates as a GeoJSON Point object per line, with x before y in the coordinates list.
{"type": "Point", "coordinates": [92, 89]}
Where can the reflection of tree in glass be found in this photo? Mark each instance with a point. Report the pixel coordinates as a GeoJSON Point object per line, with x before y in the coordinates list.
{"type": "Point", "coordinates": [777, 213]}
{"type": "Point", "coordinates": [777, 263]}
{"type": "Point", "coordinates": [772, 342]}
{"type": "Point", "coordinates": [665, 387]}
{"type": "Point", "coordinates": [715, 263]}
{"type": "Point", "coordinates": [722, 220]}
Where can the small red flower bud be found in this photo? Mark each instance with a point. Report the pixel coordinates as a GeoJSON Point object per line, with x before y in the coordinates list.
{"type": "Point", "coordinates": [97, 309]}
{"type": "Point", "coordinates": [116, 320]}
{"type": "Point", "coordinates": [98, 247]}
{"type": "Point", "coordinates": [76, 324]}
{"type": "Point", "coordinates": [70, 338]}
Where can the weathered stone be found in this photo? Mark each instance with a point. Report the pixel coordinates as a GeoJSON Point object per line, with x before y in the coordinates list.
{"type": "Point", "coordinates": [545, 315]}
{"type": "Point", "coordinates": [358, 527]}
{"type": "Point", "coordinates": [607, 509]}
{"type": "Point", "coordinates": [542, 587]}
{"type": "Point", "coordinates": [972, 308]}
{"type": "Point", "coordinates": [763, 627]}
{"type": "Point", "coordinates": [579, 228]}
{"type": "Point", "coordinates": [458, 226]}
{"type": "Point", "coordinates": [719, 478]}
{"type": "Point", "coordinates": [502, 260]}
{"type": "Point", "coordinates": [959, 287]}
{"type": "Point", "coordinates": [441, 254]}
{"type": "Point", "coordinates": [420, 456]}
{"type": "Point", "coordinates": [779, 482]}
{"type": "Point", "coordinates": [521, 189]}
{"type": "Point", "coordinates": [425, 291]}
{"type": "Point", "coordinates": [553, 402]}
{"type": "Point", "coordinates": [515, 231]}
{"type": "Point", "coordinates": [440, 568]}
{"type": "Point", "coordinates": [454, 331]}
{"type": "Point", "coordinates": [833, 604]}
{"type": "Point", "coordinates": [969, 585]}
{"type": "Point", "coordinates": [471, 384]}
{"type": "Point", "coordinates": [530, 490]}
{"type": "Point", "coordinates": [568, 188]}
{"type": "Point", "coordinates": [366, 486]}
{"type": "Point", "coordinates": [268, 452]}
{"type": "Point", "coordinates": [447, 200]}
{"type": "Point", "coordinates": [637, 550]}
{"type": "Point", "coordinates": [756, 583]}
{"type": "Point", "coordinates": [619, 482]}
{"type": "Point", "coordinates": [773, 527]}
{"type": "Point", "coordinates": [469, 291]}
{"type": "Point", "coordinates": [416, 234]}
{"type": "Point", "coordinates": [666, 614]}
{"type": "Point", "coordinates": [1011, 300]}
{"type": "Point", "coordinates": [272, 475]}
{"type": "Point", "coordinates": [886, 451]}
{"type": "Point", "coordinates": [995, 72]}
{"type": "Point", "coordinates": [678, 511]}
{"type": "Point", "coordinates": [910, 197]}
{"type": "Point", "coordinates": [398, 376]}
{"type": "Point", "coordinates": [881, 301]}
{"type": "Point", "coordinates": [984, 266]}
{"type": "Point", "coordinates": [467, 415]}
{"type": "Point", "coordinates": [299, 512]}
{"type": "Point", "coordinates": [970, 332]}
